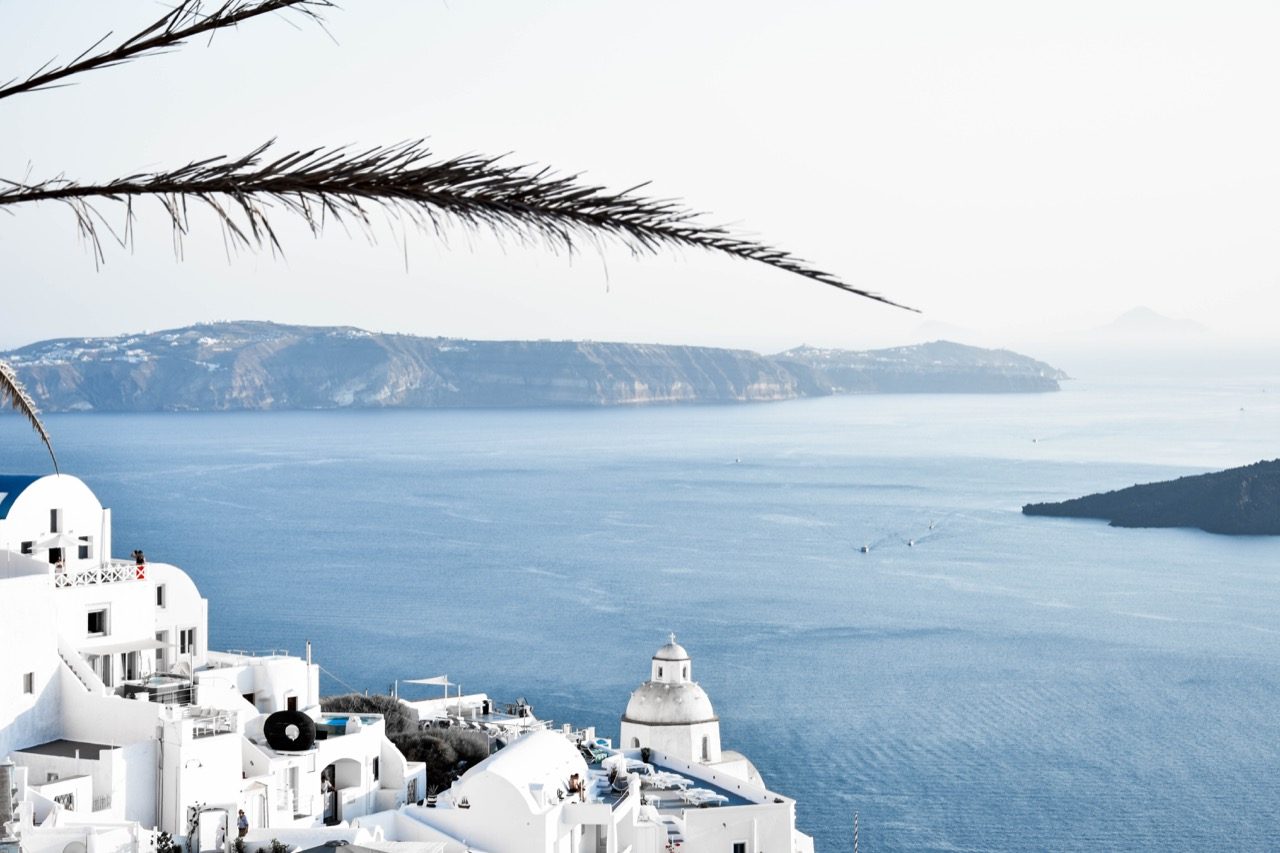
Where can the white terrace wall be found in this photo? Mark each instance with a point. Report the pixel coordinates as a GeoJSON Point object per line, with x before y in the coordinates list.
{"type": "Point", "coordinates": [130, 617]}
{"type": "Point", "coordinates": [203, 770]}
{"type": "Point", "coordinates": [272, 681]}
{"type": "Point", "coordinates": [134, 796]}
{"type": "Point", "coordinates": [28, 639]}
{"type": "Point", "coordinates": [183, 608]}
{"type": "Point", "coordinates": [110, 720]}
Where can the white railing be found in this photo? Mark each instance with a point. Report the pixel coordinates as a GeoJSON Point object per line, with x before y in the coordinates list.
{"type": "Point", "coordinates": [114, 571]}
{"type": "Point", "coordinates": [240, 657]}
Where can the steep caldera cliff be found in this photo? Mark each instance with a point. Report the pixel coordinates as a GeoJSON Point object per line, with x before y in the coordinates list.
{"type": "Point", "coordinates": [940, 367]}
{"type": "Point", "coordinates": [252, 365]}
{"type": "Point", "coordinates": [1239, 500]}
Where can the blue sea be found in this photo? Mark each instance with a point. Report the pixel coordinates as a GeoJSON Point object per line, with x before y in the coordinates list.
{"type": "Point", "coordinates": [1005, 683]}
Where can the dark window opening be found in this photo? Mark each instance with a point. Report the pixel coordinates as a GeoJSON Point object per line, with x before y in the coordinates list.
{"type": "Point", "coordinates": [97, 621]}
{"type": "Point", "coordinates": [28, 682]}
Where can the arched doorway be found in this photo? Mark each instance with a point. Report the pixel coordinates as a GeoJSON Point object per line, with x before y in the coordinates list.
{"type": "Point", "coordinates": [342, 775]}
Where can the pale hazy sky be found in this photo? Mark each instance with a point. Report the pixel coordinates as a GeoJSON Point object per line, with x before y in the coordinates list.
{"type": "Point", "coordinates": [1017, 168]}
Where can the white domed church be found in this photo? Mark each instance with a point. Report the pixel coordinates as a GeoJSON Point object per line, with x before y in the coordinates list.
{"type": "Point", "coordinates": [671, 713]}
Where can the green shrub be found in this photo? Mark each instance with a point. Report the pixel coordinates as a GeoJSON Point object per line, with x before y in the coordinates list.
{"type": "Point", "coordinates": [447, 753]}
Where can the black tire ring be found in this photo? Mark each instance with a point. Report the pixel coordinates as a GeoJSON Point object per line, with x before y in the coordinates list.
{"type": "Point", "coordinates": [276, 730]}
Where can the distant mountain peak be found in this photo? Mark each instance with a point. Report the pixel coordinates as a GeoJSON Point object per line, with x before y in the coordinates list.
{"type": "Point", "coordinates": [1144, 322]}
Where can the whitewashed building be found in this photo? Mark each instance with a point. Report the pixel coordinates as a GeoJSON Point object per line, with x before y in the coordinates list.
{"type": "Point", "coordinates": [117, 721]}
{"type": "Point", "coordinates": [116, 715]}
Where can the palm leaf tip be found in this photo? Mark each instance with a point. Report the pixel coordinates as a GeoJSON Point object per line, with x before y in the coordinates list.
{"type": "Point", "coordinates": [12, 390]}
{"type": "Point", "coordinates": [407, 180]}
{"type": "Point", "coordinates": [185, 20]}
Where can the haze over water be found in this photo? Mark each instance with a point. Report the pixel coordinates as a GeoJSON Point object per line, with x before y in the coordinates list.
{"type": "Point", "coordinates": [1006, 683]}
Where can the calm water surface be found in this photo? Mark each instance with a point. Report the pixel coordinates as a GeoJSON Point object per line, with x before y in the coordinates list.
{"type": "Point", "coordinates": [1005, 684]}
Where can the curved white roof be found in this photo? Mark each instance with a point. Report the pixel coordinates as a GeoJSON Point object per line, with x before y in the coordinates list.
{"type": "Point", "coordinates": [540, 758]}
{"type": "Point", "coordinates": [659, 703]}
{"type": "Point", "coordinates": [671, 651]}
{"type": "Point", "coordinates": [13, 486]}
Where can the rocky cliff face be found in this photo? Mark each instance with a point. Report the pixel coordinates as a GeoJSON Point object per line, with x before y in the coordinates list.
{"type": "Point", "coordinates": [249, 365]}
{"type": "Point", "coordinates": [940, 367]}
{"type": "Point", "coordinates": [1239, 500]}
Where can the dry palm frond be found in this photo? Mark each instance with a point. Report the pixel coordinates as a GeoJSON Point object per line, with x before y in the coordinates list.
{"type": "Point", "coordinates": [405, 180]}
{"type": "Point", "coordinates": [11, 390]}
{"type": "Point", "coordinates": [187, 19]}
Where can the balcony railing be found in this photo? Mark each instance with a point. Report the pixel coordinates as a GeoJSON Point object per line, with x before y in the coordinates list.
{"type": "Point", "coordinates": [113, 571]}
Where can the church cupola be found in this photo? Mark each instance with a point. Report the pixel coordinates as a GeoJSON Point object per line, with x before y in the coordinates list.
{"type": "Point", "coordinates": [671, 664]}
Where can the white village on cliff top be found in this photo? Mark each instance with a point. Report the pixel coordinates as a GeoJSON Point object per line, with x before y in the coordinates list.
{"type": "Point", "coordinates": [122, 732]}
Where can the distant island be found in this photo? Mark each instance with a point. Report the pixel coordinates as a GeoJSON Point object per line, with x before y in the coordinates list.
{"type": "Point", "coordinates": [258, 366]}
{"type": "Point", "coordinates": [1237, 501]}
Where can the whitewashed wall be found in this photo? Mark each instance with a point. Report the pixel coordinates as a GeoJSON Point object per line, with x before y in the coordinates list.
{"type": "Point", "coordinates": [29, 642]}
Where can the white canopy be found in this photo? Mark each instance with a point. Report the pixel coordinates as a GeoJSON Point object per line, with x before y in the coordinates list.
{"type": "Point", "coordinates": [64, 541]}
{"type": "Point", "coordinates": [127, 646]}
{"type": "Point", "coordinates": [442, 680]}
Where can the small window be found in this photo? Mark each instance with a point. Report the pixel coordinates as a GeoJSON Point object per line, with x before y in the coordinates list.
{"type": "Point", "coordinates": [187, 641]}
{"type": "Point", "coordinates": [706, 748]}
{"type": "Point", "coordinates": [160, 596]}
{"type": "Point", "coordinates": [86, 547]}
{"type": "Point", "coordinates": [739, 847]}
{"type": "Point", "coordinates": [55, 555]}
{"type": "Point", "coordinates": [375, 769]}
{"type": "Point", "coordinates": [635, 743]}
{"type": "Point", "coordinates": [28, 682]}
{"type": "Point", "coordinates": [686, 672]}
{"type": "Point", "coordinates": [28, 547]}
{"type": "Point", "coordinates": [98, 621]}
{"type": "Point", "coordinates": [55, 521]}
{"type": "Point", "coordinates": [659, 672]}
